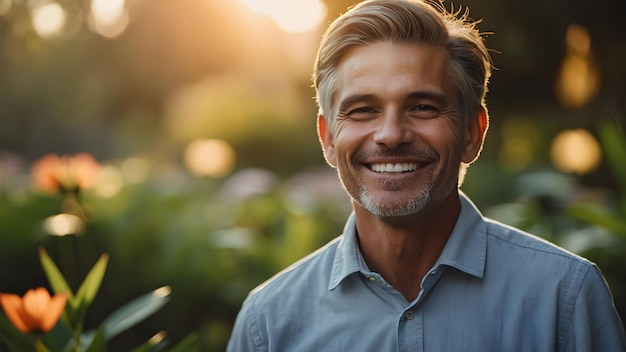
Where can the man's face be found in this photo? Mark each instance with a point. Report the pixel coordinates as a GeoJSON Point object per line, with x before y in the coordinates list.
{"type": "Point", "coordinates": [397, 139]}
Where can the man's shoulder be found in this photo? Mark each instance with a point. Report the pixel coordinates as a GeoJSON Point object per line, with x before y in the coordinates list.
{"type": "Point", "coordinates": [515, 241]}
{"type": "Point", "coordinates": [310, 272]}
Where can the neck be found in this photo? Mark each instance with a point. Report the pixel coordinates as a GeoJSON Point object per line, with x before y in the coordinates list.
{"type": "Point", "coordinates": [404, 249]}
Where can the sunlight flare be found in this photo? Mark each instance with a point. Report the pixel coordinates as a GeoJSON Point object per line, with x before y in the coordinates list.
{"type": "Point", "coordinates": [209, 157]}
{"type": "Point", "coordinates": [578, 81]}
{"type": "Point", "coordinates": [294, 16]}
{"type": "Point", "coordinates": [64, 224]}
{"type": "Point", "coordinates": [575, 151]}
{"type": "Point", "coordinates": [48, 19]}
{"type": "Point", "coordinates": [109, 18]}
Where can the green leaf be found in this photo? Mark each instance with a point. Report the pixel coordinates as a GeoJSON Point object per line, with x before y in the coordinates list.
{"type": "Point", "coordinates": [59, 284]}
{"type": "Point", "coordinates": [57, 338]}
{"type": "Point", "coordinates": [132, 313]}
{"type": "Point", "coordinates": [613, 141]}
{"type": "Point", "coordinates": [90, 286]}
{"type": "Point", "coordinates": [136, 311]}
{"type": "Point", "coordinates": [156, 343]}
{"type": "Point", "coordinates": [55, 278]}
{"type": "Point", "coordinates": [97, 342]}
{"type": "Point", "coordinates": [14, 339]}
{"type": "Point", "coordinates": [40, 347]}
{"type": "Point", "coordinates": [595, 215]}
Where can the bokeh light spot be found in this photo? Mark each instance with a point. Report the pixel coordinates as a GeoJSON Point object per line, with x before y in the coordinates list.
{"type": "Point", "coordinates": [291, 15]}
{"type": "Point", "coordinates": [64, 224]}
{"type": "Point", "coordinates": [575, 151]}
{"type": "Point", "coordinates": [109, 18]}
{"type": "Point", "coordinates": [157, 338]}
{"type": "Point", "coordinates": [209, 157]}
{"type": "Point", "coordinates": [579, 79]}
{"type": "Point", "coordinates": [110, 182]}
{"type": "Point", "coordinates": [577, 38]}
{"type": "Point", "coordinates": [48, 19]}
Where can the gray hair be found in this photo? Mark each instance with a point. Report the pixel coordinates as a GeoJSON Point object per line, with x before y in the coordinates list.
{"type": "Point", "coordinates": [424, 22]}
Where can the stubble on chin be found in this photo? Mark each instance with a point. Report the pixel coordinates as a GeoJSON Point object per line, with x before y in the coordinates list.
{"type": "Point", "coordinates": [401, 207]}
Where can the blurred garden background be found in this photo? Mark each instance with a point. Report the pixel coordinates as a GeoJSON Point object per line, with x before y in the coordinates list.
{"type": "Point", "coordinates": [196, 122]}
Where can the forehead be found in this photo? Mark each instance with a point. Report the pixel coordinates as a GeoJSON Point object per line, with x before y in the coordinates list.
{"type": "Point", "coordinates": [385, 68]}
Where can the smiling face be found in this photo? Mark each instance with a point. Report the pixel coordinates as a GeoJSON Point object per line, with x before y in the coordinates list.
{"type": "Point", "coordinates": [398, 139]}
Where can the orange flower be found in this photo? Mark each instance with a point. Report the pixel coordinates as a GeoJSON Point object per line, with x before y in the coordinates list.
{"type": "Point", "coordinates": [36, 312]}
{"type": "Point", "coordinates": [66, 173]}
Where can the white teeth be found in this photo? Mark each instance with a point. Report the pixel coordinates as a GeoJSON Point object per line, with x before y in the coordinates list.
{"type": "Point", "coordinates": [389, 167]}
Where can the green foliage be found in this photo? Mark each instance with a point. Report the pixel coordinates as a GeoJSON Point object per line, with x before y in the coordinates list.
{"type": "Point", "coordinates": [95, 342]}
{"type": "Point", "coordinates": [68, 335]}
{"type": "Point", "coordinates": [599, 215]}
{"type": "Point", "coordinates": [613, 140]}
{"type": "Point", "coordinates": [12, 339]}
{"type": "Point", "coordinates": [134, 312]}
{"type": "Point", "coordinates": [79, 303]}
{"type": "Point", "coordinates": [209, 248]}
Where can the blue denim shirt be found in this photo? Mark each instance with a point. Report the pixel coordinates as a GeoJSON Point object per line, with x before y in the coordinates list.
{"type": "Point", "coordinates": [494, 288]}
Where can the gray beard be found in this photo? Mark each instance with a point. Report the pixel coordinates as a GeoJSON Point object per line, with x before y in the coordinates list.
{"type": "Point", "coordinates": [414, 205]}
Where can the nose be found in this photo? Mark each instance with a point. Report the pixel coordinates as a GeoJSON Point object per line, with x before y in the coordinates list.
{"type": "Point", "coordinates": [392, 129]}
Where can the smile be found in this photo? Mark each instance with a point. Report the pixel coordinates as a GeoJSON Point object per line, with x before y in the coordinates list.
{"type": "Point", "coordinates": [394, 168]}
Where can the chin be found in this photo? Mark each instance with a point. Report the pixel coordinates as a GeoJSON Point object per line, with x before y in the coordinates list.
{"type": "Point", "coordinates": [382, 208]}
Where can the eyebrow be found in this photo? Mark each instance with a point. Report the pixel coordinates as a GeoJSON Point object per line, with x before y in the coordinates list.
{"type": "Point", "coordinates": [438, 97]}
{"type": "Point", "coordinates": [355, 98]}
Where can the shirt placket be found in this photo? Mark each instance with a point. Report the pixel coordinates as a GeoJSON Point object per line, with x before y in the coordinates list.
{"type": "Point", "coordinates": [411, 321]}
{"type": "Point", "coordinates": [411, 330]}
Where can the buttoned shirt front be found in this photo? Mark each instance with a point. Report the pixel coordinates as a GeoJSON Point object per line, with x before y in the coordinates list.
{"type": "Point", "coordinates": [493, 288]}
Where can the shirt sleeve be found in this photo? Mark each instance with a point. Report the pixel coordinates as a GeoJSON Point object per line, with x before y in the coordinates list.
{"type": "Point", "coordinates": [595, 324]}
{"type": "Point", "coordinates": [245, 335]}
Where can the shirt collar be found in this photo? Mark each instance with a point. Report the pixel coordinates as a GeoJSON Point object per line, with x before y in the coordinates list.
{"type": "Point", "coordinates": [348, 258]}
{"type": "Point", "coordinates": [465, 250]}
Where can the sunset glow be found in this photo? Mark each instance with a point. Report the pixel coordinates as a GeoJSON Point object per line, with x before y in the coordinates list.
{"type": "Point", "coordinates": [48, 19]}
{"type": "Point", "coordinates": [291, 15]}
{"type": "Point", "coordinates": [575, 151]}
{"type": "Point", "coordinates": [108, 18]}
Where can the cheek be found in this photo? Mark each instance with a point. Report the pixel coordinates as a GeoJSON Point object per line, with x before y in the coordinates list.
{"type": "Point", "coordinates": [349, 136]}
{"type": "Point", "coordinates": [446, 137]}
{"type": "Point", "coordinates": [441, 132]}
{"type": "Point", "coordinates": [342, 149]}
{"type": "Point", "coordinates": [458, 138]}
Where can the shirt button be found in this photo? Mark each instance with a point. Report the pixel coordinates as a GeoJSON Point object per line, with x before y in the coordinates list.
{"type": "Point", "coordinates": [372, 279]}
{"type": "Point", "coordinates": [409, 315]}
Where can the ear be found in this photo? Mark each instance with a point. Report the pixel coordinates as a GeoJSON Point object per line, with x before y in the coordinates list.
{"type": "Point", "coordinates": [326, 140]}
{"type": "Point", "coordinates": [476, 130]}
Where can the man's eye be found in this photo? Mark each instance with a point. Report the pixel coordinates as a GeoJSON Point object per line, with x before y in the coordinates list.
{"type": "Point", "coordinates": [425, 107]}
{"type": "Point", "coordinates": [424, 111]}
{"type": "Point", "coordinates": [362, 112]}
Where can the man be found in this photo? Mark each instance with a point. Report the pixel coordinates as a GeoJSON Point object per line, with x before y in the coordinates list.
{"type": "Point", "coordinates": [401, 87]}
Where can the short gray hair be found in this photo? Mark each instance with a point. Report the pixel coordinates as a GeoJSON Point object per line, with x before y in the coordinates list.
{"type": "Point", "coordinates": [424, 22]}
